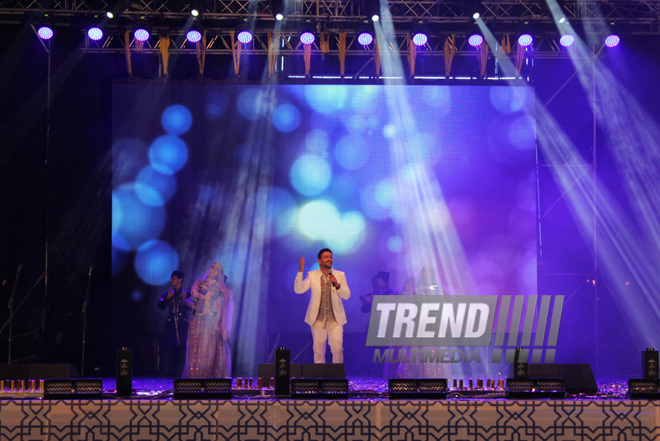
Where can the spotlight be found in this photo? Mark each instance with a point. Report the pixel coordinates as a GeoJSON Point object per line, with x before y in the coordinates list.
{"type": "Point", "coordinates": [612, 40]}
{"type": "Point", "coordinates": [245, 36]}
{"type": "Point", "coordinates": [475, 40]}
{"type": "Point", "coordinates": [567, 40]}
{"type": "Point", "coordinates": [476, 15]}
{"type": "Point", "coordinates": [45, 32]}
{"type": "Point", "coordinates": [472, 8]}
{"type": "Point", "coordinates": [194, 36]}
{"type": "Point", "coordinates": [109, 14]}
{"type": "Point", "coordinates": [95, 33]}
{"type": "Point", "coordinates": [194, 12]}
{"type": "Point", "coordinates": [525, 40]}
{"type": "Point", "coordinates": [419, 38]}
{"type": "Point", "coordinates": [562, 20]}
{"type": "Point", "coordinates": [365, 38]}
{"type": "Point", "coordinates": [375, 18]}
{"type": "Point", "coordinates": [307, 37]}
{"type": "Point", "coordinates": [371, 9]}
{"type": "Point", "coordinates": [278, 8]}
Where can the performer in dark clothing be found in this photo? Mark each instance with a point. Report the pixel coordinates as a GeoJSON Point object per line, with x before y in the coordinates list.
{"type": "Point", "coordinates": [173, 348]}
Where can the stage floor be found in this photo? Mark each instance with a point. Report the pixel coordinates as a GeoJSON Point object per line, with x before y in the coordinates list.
{"type": "Point", "coordinates": [153, 415]}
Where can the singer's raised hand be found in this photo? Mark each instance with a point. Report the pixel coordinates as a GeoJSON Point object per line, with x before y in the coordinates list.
{"type": "Point", "coordinates": [301, 265]}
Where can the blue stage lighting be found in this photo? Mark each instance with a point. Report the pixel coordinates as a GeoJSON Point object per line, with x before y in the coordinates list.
{"type": "Point", "coordinates": [307, 38]}
{"type": "Point", "coordinates": [45, 32]}
{"type": "Point", "coordinates": [176, 119]}
{"type": "Point", "coordinates": [365, 38]}
{"type": "Point", "coordinates": [194, 36]}
{"type": "Point", "coordinates": [245, 37]}
{"type": "Point", "coordinates": [567, 40]}
{"type": "Point", "coordinates": [141, 34]}
{"type": "Point", "coordinates": [475, 40]}
{"type": "Point", "coordinates": [525, 40]}
{"type": "Point", "coordinates": [95, 33]}
{"type": "Point", "coordinates": [420, 38]}
{"type": "Point", "coordinates": [612, 40]}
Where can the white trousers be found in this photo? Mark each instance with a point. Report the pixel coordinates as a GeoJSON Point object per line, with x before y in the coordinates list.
{"type": "Point", "coordinates": [334, 337]}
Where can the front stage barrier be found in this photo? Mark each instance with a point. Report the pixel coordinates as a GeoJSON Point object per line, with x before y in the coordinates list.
{"type": "Point", "coordinates": [366, 420]}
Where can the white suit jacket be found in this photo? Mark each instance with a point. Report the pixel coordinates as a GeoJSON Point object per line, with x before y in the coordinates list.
{"type": "Point", "coordinates": [313, 280]}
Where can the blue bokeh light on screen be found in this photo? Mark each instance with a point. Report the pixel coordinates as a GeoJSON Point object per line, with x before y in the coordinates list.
{"type": "Point", "coordinates": [176, 119]}
{"type": "Point", "coordinates": [317, 218]}
{"type": "Point", "coordinates": [347, 234]}
{"type": "Point", "coordinates": [394, 244]}
{"type": "Point", "coordinates": [384, 193]}
{"type": "Point", "coordinates": [154, 262]}
{"type": "Point", "coordinates": [139, 222]}
{"type": "Point", "coordinates": [116, 213]}
{"type": "Point", "coordinates": [327, 99]}
{"type": "Point", "coordinates": [370, 206]}
{"type": "Point", "coordinates": [249, 104]}
{"type": "Point", "coordinates": [522, 132]}
{"type": "Point", "coordinates": [154, 188]}
{"type": "Point", "coordinates": [317, 141]}
{"type": "Point", "coordinates": [508, 99]}
{"type": "Point", "coordinates": [286, 118]}
{"type": "Point", "coordinates": [352, 152]}
{"type": "Point", "coordinates": [217, 103]}
{"type": "Point", "coordinates": [168, 154]}
{"type": "Point", "coordinates": [310, 175]}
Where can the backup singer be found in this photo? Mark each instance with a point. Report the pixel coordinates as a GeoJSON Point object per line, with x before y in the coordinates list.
{"type": "Point", "coordinates": [212, 304]}
{"type": "Point", "coordinates": [325, 313]}
{"type": "Point", "coordinates": [176, 328]}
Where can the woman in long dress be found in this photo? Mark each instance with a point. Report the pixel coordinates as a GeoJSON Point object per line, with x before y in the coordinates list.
{"type": "Point", "coordinates": [208, 354]}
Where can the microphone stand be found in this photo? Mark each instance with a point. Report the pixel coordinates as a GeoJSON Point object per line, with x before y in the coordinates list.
{"type": "Point", "coordinates": [10, 305]}
{"type": "Point", "coordinates": [13, 311]}
{"type": "Point", "coordinates": [84, 313]}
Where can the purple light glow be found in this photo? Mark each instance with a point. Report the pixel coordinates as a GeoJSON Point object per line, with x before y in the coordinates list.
{"type": "Point", "coordinates": [567, 40]}
{"type": "Point", "coordinates": [365, 38]}
{"type": "Point", "coordinates": [95, 33]}
{"type": "Point", "coordinates": [475, 40]}
{"type": "Point", "coordinates": [525, 40]}
{"type": "Point", "coordinates": [420, 39]}
{"type": "Point", "coordinates": [194, 36]}
{"type": "Point", "coordinates": [245, 37]}
{"type": "Point", "coordinates": [141, 34]}
{"type": "Point", "coordinates": [45, 32]}
{"type": "Point", "coordinates": [307, 38]}
{"type": "Point", "coordinates": [612, 41]}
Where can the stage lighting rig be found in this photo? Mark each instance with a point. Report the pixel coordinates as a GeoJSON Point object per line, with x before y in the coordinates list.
{"type": "Point", "coordinates": [365, 37]}
{"type": "Point", "coordinates": [473, 8]}
{"type": "Point", "coordinates": [419, 35]}
{"type": "Point", "coordinates": [244, 36]}
{"type": "Point", "coordinates": [371, 9]}
{"type": "Point", "coordinates": [278, 9]}
{"type": "Point", "coordinates": [307, 37]}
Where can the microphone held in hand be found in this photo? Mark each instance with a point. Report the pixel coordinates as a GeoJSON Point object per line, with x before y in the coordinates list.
{"type": "Point", "coordinates": [334, 284]}
{"type": "Point", "coordinates": [91, 267]}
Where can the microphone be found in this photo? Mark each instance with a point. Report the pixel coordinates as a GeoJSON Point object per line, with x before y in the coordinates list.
{"type": "Point", "coordinates": [91, 267]}
{"type": "Point", "coordinates": [334, 284]}
{"type": "Point", "coordinates": [18, 270]}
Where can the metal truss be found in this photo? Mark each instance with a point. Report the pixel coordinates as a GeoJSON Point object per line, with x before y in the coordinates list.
{"type": "Point", "coordinates": [629, 12]}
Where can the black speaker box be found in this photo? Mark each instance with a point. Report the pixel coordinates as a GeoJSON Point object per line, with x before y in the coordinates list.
{"type": "Point", "coordinates": [37, 371]}
{"type": "Point", "coordinates": [323, 370]}
{"type": "Point", "coordinates": [267, 371]}
{"type": "Point", "coordinates": [578, 378]}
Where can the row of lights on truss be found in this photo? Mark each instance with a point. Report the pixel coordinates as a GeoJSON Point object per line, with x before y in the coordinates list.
{"type": "Point", "coordinates": [364, 37]}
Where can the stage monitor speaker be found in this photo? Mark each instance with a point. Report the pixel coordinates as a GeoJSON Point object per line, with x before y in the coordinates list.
{"type": "Point", "coordinates": [202, 388]}
{"type": "Point", "coordinates": [267, 370]}
{"type": "Point", "coordinates": [578, 378]}
{"type": "Point", "coordinates": [322, 388]}
{"type": "Point", "coordinates": [423, 388]}
{"type": "Point", "coordinates": [643, 388]}
{"type": "Point", "coordinates": [323, 370]}
{"type": "Point", "coordinates": [37, 371]}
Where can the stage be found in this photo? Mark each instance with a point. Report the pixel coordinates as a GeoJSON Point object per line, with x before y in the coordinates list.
{"type": "Point", "coordinates": [150, 415]}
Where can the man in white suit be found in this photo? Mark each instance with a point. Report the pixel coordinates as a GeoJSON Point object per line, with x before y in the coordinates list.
{"type": "Point", "coordinates": [325, 313]}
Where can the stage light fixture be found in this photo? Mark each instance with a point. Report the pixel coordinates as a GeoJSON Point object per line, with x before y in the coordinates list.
{"type": "Point", "coordinates": [525, 39]}
{"type": "Point", "coordinates": [419, 38]}
{"type": "Point", "coordinates": [472, 8]}
{"type": "Point", "coordinates": [110, 15]}
{"type": "Point", "coordinates": [141, 33]}
{"type": "Point", "coordinates": [567, 40]}
{"type": "Point", "coordinates": [475, 40]}
{"type": "Point", "coordinates": [206, 388]}
{"type": "Point", "coordinates": [95, 33]}
{"type": "Point", "coordinates": [530, 388]}
{"type": "Point", "coordinates": [365, 38]}
{"type": "Point", "coordinates": [194, 36]}
{"type": "Point", "coordinates": [424, 388]}
{"type": "Point", "coordinates": [612, 40]}
{"type": "Point", "coordinates": [371, 9]}
{"type": "Point", "coordinates": [45, 32]}
{"type": "Point", "coordinates": [307, 37]}
{"type": "Point", "coordinates": [278, 8]}
{"type": "Point", "coordinates": [244, 36]}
